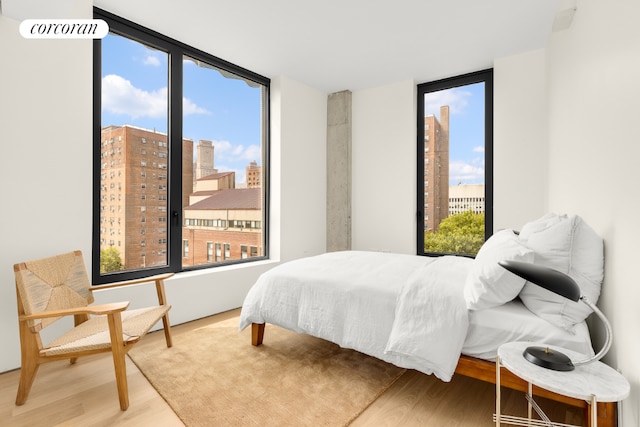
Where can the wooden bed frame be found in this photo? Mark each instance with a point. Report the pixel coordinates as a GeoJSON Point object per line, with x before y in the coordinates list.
{"type": "Point", "coordinates": [486, 371]}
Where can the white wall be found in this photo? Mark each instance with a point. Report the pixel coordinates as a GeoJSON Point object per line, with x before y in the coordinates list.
{"type": "Point", "coordinates": [45, 169]}
{"type": "Point", "coordinates": [594, 110]}
{"type": "Point", "coordinates": [46, 178]}
{"type": "Point", "coordinates": [384, 168]}
{"type": "Point", "coordinates": [301, 162]}
{"type": "Point", "coordinates": [520, 139]}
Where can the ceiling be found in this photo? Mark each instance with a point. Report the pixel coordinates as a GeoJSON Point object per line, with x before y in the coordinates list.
{"type": "Point", "coordinates": [335, 45]}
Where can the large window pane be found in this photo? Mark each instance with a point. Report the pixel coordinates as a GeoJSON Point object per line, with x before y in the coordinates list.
{"type": "Point", "coordinates": [223, 120]}
{"type": "Point", "coordinates": [454, 149]}
{"type": "Point", "coordinates": [134, 166]}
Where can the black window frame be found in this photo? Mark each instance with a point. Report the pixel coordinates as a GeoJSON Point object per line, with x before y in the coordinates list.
{"type": "Point", "coordinates": [176, 50]}
{"type": "Point", "coordinates": [483, 76]}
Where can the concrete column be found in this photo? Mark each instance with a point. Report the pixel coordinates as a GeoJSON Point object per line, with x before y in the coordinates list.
{"type": "Point", "coordinates": [339, 171]}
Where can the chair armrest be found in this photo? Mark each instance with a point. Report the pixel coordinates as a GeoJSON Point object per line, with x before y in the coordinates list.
{"type": "Point", "coordinates": [99, 309]}
{"type": "Point", "coordinates": [156, 278]}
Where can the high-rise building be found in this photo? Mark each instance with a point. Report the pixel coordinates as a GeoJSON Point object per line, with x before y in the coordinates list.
{"type": "Point", "coordinates": [253, 175]}
{"type": "Point", "coordinates": [204, 159]}
{"type": "Point", "coordinates": [436, 169]}
{"type": "Point", "coordinates": [133, 193]}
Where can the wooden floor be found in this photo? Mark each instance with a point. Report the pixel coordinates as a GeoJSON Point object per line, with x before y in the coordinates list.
{"type": "Point", "coordinates": [85, 394]}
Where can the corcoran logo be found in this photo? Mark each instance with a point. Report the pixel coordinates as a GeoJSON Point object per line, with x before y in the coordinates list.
{"type": "Point", "coordinates": [63, 28]}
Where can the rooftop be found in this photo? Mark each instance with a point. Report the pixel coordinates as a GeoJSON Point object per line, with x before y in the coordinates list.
{"type": "Point", "coordinates": [215, 176]}
{"type": "Point", "coordinates": [237, 198]}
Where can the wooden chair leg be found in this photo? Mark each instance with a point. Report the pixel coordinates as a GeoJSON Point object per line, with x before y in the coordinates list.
{"type": "Point", "coordinates": [167, 330]}
{"type": "Point", "coordinates": [77, 320]}
{"type": "Point", "coordinates": [162, 300]}
{"type": "Point", "coordinates": [29, 348]}
{"type": "Point", "coordinates": [119, 362]}
{"type": "Point", "coordinates": [28, 373]}
{"type": "Point", "coordinates": [120, 366]}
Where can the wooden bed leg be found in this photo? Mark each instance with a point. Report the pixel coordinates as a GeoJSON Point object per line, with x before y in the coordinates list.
{"type": "Point", "coordinates": [257, 333]}
{"type": "Point", "coordinates": [607, 414]}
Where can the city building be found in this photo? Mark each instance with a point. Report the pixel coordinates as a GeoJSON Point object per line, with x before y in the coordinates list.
{"type": "Point", "coordinates": [222, 225]}
{"type": "Point", "coordinates": [204, 160]}
{"type": "Point", "coordinates": [220, 222]}
{"type": "Point", "coordinates": [254, 175]}
{"type": "Point", "coordinates": [466, 197]}
{"type": "Point", "coordinates": [436, 169]}
{"type": "Point", "coordinates": [133, 193]}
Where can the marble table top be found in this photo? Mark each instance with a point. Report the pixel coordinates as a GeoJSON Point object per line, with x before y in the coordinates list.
{"type": "Point", "coordinates": [595, 378]}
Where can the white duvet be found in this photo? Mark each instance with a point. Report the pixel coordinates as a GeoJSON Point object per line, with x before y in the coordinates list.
{"type": "Point", "coordinates": [404, 309]}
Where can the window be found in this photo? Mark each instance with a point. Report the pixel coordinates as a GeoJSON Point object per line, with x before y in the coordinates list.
{"type": "Point", "coordinates": [218, 252]}
{"type": "Point", "coordinates": [210, 251]}
{"type": "Point", "coordinates": [185, 249]}
{"type": "Point", "coordinates": [174, 121]}
{"type": "Point", "coordinates": [455, 164]}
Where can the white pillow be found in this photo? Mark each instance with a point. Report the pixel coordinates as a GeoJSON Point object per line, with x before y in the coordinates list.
{"type": "Point", "coordinates": [488, 284]}
{"type": "Point", "coordinates": [569, 245]}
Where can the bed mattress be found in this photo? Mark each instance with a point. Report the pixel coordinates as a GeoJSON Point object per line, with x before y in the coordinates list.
{"type": "Point", "coordinates": [488, 329]}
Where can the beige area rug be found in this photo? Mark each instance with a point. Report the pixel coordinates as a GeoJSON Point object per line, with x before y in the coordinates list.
{"type": "Point", "coordinates": [213, 376]}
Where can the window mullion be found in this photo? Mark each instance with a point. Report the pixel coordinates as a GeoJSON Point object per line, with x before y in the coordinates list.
{"type": "Point", "coordinates": [175, 158]}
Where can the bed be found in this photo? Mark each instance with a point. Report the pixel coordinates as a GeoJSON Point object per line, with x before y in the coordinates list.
{"type": "Point", "coordinates": [439, 315]}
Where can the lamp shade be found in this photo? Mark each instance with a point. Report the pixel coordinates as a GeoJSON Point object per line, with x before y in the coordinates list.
{"type": "Point", "coordinates": [546, 278]}
{"type": "Point", "coordinates": [563, 285]}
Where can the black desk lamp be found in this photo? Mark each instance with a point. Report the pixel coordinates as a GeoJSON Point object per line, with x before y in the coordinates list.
{"type": "Point", "coordinates": [563, 285]}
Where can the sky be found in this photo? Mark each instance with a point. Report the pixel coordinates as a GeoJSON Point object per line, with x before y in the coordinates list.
{"type": "Point", "coordinates": [466, 130]}
{"type": "Point", "coordinates": [223, 110]}
{"type": "Point", "coordinates": [226, 111]}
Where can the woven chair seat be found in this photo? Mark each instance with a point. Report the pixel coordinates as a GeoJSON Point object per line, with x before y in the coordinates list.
{"type": "Point", "coordinates": [94, 333]}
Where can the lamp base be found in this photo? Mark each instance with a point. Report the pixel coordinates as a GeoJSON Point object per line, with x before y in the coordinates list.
{"type": "Point", "coordinates": [548, 358]}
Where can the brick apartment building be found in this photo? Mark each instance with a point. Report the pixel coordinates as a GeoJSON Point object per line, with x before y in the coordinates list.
{"type": "Point", "coordinates": [133, 193]}
{"type": "Point", "coordinates": [221, 222]}
{"type": "Point", "coordinates": [254, 175]}
{"type": "Point", "coordinates": [436, 169]}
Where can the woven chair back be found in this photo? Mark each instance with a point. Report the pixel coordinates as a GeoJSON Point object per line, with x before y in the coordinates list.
{"type": "Point", "coordinates": [54, 283]}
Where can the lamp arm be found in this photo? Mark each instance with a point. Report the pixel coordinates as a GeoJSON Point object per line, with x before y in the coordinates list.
{"type": "Point", "coordinates": [608, 332]}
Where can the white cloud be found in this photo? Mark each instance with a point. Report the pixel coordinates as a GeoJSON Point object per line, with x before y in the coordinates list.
{"type": "Point", "coordinates": [120, 96]}
{"type": "Point", "coordinates": [189, 108]}
{"type": "Point", "coordinates": [151, 60]}
{"type": "Point", "coordinates": [460, 171]}
{"type": "Point", "coordinates": [478, 149]}
{"type": "Point", "coordinates": [228, 152]}
{"type": "Point", "coordinates": [252, 152]}
{"type": "Point", "coordinates": [456, 99]}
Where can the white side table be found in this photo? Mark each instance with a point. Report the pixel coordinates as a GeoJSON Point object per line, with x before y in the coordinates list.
{"type": "Point", "coordinates": [594, 382]}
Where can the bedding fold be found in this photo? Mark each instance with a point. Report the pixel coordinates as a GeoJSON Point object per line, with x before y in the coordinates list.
{"type": "Point", "coordinates": [431, 318]}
